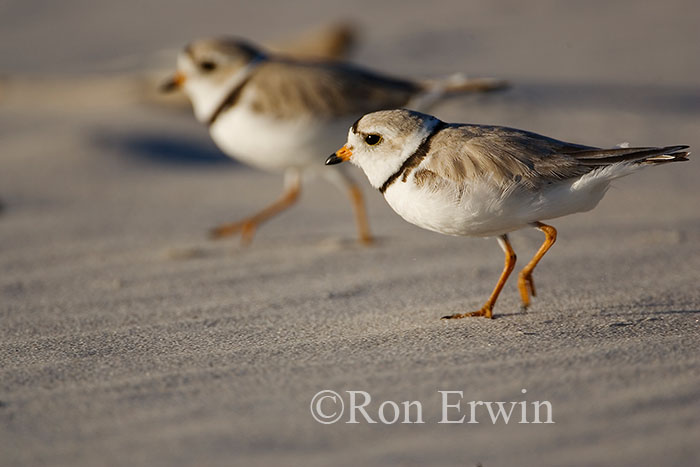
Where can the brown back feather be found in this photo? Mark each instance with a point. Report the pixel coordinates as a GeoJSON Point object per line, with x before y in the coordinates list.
{"type": "Point", "coordinates": [462, 153]}
{"type": "Point", "coordinates": [324, 89]}
{"type": "Point", "coordinates": [465, 152]}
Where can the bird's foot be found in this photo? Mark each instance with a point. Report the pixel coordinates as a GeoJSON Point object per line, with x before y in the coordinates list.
{"type": "Point", "coordinates": [246, 228]}
{"type": "Point", "coordinates": [526, 285]}
{"type": "Point", "coordinates": [485, 311]}
{"type": "Point", "coordinates": [366, 240]}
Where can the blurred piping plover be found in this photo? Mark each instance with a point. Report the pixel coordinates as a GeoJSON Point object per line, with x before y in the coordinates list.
{"type": "Point", "coordinates": [283, 114]}
{"type": "Point", "coordinates": [483, 181]}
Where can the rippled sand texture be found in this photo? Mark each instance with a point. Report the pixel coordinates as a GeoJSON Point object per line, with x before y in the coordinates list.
{"type": "Point", "coordinates": [128, 338]}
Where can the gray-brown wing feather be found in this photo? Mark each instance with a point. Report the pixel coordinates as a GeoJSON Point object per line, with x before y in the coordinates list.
{"type": "Point", "coordinates": [287, 89]}
{"type": "Point", "coordinates": [598, 157]}
{"type": "Point", "coordinates": [462, 153]}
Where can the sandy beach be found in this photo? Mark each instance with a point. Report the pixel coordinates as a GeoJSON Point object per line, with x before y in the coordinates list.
{"type": "Point", "coordinates": [129, 338]}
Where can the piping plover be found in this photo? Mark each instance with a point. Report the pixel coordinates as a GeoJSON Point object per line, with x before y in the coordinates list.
{"type": "Point", "coordinates": [283, 114]}
{"type": "Point", "coordinates": [334, 40]}
{"type": "Point", "coordinates": [483, 181]}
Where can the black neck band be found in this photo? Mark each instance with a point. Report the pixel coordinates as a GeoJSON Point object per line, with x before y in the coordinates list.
{"type": "Point", "coordinates": [414, 159]}
{"type": "Point", "coordinates": [230, 100]}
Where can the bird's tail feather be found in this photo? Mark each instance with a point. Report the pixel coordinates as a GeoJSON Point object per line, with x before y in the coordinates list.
{"type": "Point", "coordinates": [602, 157]}
{"type": "Point", "coordinates": [436, 89]}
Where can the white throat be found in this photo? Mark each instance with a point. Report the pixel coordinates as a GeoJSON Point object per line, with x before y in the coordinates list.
{"type": "Point", "coordinates": [379, 168]}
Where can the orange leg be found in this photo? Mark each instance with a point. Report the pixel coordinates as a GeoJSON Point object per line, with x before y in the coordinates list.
{"type": "Point", "coordinates": [358, 204]}
{"type": "Point", "coordinates": [525, 281]}
{"type": "Point", "coordinates": [343, 181]}
{"type": "Point", "coordinates": [487, 310]}
{"type": "Point", "coordinates": [248, 226]}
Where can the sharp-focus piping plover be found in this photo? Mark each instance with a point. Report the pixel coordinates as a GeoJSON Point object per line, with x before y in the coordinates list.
{"type": "Point", "coordinates": [483, 181]}
{"type": "Point", "coordinates": [283, 114]}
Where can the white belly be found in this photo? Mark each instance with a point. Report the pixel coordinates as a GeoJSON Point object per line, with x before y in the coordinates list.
{"type": "Point", "coordinates": [277, 144]}
{"type": "Point", "coordinates": [485, 210]}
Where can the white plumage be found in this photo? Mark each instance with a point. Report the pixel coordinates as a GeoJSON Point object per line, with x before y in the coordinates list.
{"type": "Point", "coordinates": [285, 115]}
{"type": "Point", "coordinates": [478, 180]}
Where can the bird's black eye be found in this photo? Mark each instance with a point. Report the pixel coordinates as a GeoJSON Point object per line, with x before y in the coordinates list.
{"type": "Point", "coordinates": [372, 139]}
{"type": "Point", "coordinates": [207, 65]}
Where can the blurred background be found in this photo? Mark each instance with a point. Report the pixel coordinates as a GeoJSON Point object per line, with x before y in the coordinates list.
{"type": "Point", "coordinates": [79, 84]}
{"type": "Point", "coordinates": [127, 336]}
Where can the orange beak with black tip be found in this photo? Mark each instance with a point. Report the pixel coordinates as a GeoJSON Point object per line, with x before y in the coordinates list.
{"type": "Point", "coordinates": [341, 155]}
{"type": "Point", "coordinates": [173, 83]}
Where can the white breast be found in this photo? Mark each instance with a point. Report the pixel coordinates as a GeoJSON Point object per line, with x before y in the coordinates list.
{"type": "Point", "coordinates": [479, 213]}
{"type": "Point", "coordinates": [484, 209]}
{"type": "Point", "coordinates": [276, 144]}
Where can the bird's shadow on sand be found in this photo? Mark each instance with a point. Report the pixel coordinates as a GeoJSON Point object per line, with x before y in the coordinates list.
{"type": "Point", "coordinates": [645, 315]}
{"type": "Point", "coordinates": [166, 149]}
